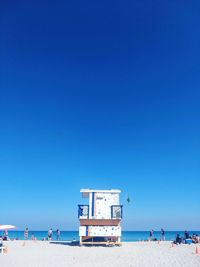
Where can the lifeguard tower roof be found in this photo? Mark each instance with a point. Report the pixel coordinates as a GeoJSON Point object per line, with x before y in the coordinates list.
{"type": "Point", "coordinates": [85, 192]}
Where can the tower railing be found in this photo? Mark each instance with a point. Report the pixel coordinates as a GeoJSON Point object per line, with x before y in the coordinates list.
{"type": "Point", "coordinates": [83, 211]}
{"type": "Point", "coordinates": [116, 211]}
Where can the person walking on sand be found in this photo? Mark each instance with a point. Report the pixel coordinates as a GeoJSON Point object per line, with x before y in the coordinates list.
{"type": "Point", "coordinates": [26, 234]}
{"type": "Point", "coordinates": [162, 234]}
{"type": "Point", "coordinates": [57, 234]}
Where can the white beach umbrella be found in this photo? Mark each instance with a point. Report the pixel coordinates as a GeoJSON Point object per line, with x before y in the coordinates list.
{"type": "Point", "coordinates": [6, 227]}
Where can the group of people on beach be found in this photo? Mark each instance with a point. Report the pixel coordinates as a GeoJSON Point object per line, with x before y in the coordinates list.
{"type": "Point", "coordinates": [26, 235]}
{"type": "Point", "coordinates": [49, 235]}
{"type": "Point", "coordinates": [152, 238]}
{"type": "Point", "coordinates": [187, 239]}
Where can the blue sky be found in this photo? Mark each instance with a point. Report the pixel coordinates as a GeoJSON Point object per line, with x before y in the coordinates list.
{"type": "Point", "coordinates": [101, 95]}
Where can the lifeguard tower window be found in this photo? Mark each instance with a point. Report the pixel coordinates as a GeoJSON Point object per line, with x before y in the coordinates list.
{"type": "Point", "coordinates": [116, 211]}
{"type": "Point", "coordinates": [83, 211]}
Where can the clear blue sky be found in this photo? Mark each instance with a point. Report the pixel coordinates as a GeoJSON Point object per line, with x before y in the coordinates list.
{"type": "Point", "coordinates": [100, 94]}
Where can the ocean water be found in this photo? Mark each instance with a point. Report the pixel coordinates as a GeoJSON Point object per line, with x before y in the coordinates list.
{"type": "Point", "coordinates": [127, 236]}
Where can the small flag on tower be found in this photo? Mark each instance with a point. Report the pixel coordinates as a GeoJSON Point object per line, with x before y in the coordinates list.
{"type": "Point", "coordinates": [128, 199]}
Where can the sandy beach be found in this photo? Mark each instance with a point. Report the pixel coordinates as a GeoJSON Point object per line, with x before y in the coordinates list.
{"type": "Point", "coordinates": [137, 254]}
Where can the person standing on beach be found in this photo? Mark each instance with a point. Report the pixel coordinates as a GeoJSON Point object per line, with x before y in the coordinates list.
{"type": "Point", "coordinates": [50, 232]}
{"type": "Point", "coordinates": [162, 234]}
{"type": "Point", "coordinates": [26, 234]}
{"type": "Point", "coordinates": [151, 235]}
{"type": "Point", "coordinates": [186, 234]}
{"type": "Point", "coordinates": [5, 235]}
{"type": "Point", "coordinates": [57, 234]}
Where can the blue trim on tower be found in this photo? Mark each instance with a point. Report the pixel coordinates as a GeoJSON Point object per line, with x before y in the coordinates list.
{"type": "Point", "coordinates": [86, 230]}
{"type": "Point", "coordinates": [92, 203]}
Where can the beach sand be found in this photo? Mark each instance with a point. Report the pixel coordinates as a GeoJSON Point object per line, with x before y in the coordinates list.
{"type": "Point", "coordinates": [137, 254]}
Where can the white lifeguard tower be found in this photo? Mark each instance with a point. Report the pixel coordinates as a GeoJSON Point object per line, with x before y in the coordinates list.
{"type": "Point", "coordinates": [100, 219]}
